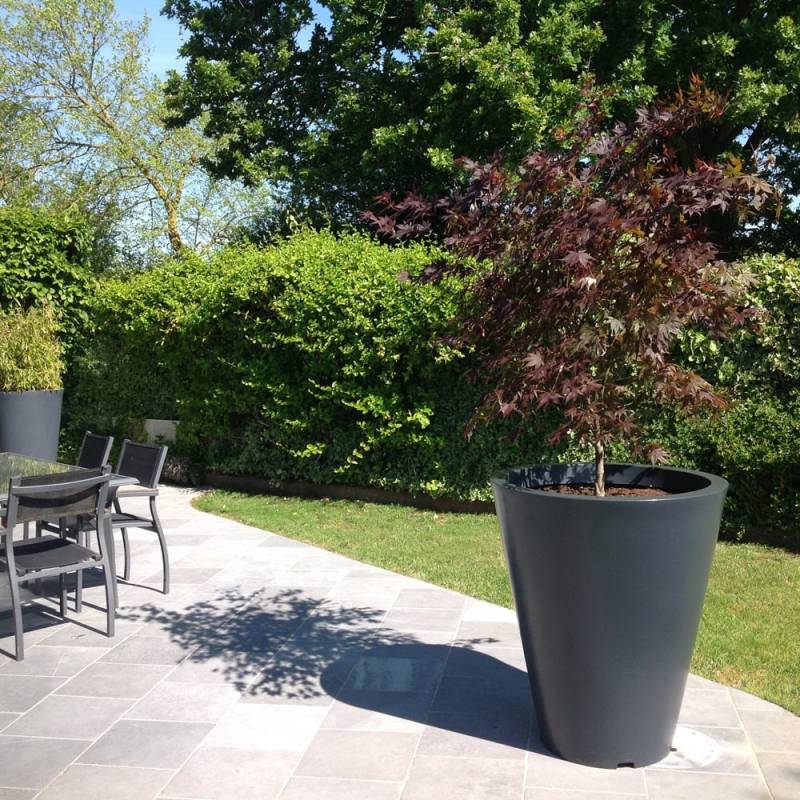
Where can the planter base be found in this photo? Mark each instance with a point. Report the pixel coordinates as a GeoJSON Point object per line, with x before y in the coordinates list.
{"type": "Point", "coordinates": [609, 593]}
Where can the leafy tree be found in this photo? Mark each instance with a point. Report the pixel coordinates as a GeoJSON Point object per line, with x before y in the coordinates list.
{"type": "Point", "coordinates": [344, 98]}
{"type": "Point", "coordinates": [86, 117]}
{"type": "Point", "coordinates": [599, 256]}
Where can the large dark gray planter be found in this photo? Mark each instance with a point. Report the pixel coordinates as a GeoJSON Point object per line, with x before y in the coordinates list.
{"type": "Point", "coordinates": [609, 592]}
{"type": "Point", "coordinates": [30, 423]}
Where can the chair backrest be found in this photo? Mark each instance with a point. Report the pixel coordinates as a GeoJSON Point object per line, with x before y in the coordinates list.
{"type": "Point", "coordinates": [95, 450]}
{"type": "Point", "coordinates": [142, 461]}
{"type": "Point", "coordinates": [57, 495]}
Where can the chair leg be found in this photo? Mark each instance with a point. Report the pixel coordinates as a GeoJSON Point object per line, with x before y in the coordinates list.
{"type": "Point", "coordinates": [162, 540]}
{"type": "Point", "coordinates": [19, 648]}
{"type": "Point", "coordinates": [126, 546]}
{"type": "Point", "coordinates": [62, 593]}
{"type": "Point", "coordinates": [26, 530]}
{"type": "Point", "coordinates": [81, 536]}
{"type": "Point", "coordinates": [111, 558]}
{"type": "Point", "coordinates": [126, 550]}
{"type": "Point", "coordinates": [111, 596]}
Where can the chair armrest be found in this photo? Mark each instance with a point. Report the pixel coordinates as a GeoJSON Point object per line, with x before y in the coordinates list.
{"type": "Point", "coordinates": [136, 491]}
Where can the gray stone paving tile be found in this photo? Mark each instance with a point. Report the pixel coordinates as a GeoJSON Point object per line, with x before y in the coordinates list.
{"type": "Point", "coordinates": [186, 575]}
{"type": "Point", "coordinates": [27, 763]}
{"type": "Point", "coordinates": [146, 650]}
{"type": "Point", "coordinates": [735, 753]}
{"type": "Point", "coordinates": [141, 743]}
{"type": "Point", "coordinates": [497, 634]}
{"type": "Point", "coordinates": [274, 541]}
{"type": "Point", "coordinates": [480, 611]}
{"type": "Point", "coordinates": [782, 773]}
{"type": "Point", "coordinates": [429, 598]}
{"type": "Point", "coordinates": [489, 664]}
{"type": "Point", "coordinates": [698, 682]}
{"type": "Point", "coordinates": [88, 629]}
{"type": "Point", "coordinates": [423, 619]}
{"type": "Point", "coordinates": [479, 696]}
{"type": "Point", "coordinates": [185, 702]}
{"type": "Point", "coordinates": [772, 728]}
{"type": "Point", "coordinates": [549, 772]}
{"type": "Point", "coordinates": [400, 712]}
{"type": "Point", "coordinates": [663, 785]}
{"type": "Point", "coordinates": [227, 666]}
{"type": "Point", "coordinates": [35, 619]}
{"type": "Point", "coordinates": [267, 727]}
{"type": "Point", "coordinates": [52, 661]}
{"type": "Point", "coordinates": [473, 736]}
{"type": "Point", "coordinates": [426, 645]}
{"type": "Point", "coordinates": [131, 681]}
{"type": "Point", "coordinates": [89, 781]}
{"type": "Point", "coordinates": [367, 755]}
{"type": "Point", "coordinates": [16, 794]}
{"type": "Point", "coordinates": [20, 692]}
{"type": "Point", "coordinates": [445, 778]}
{"type": "Point", "coordinates": [537, 793]}
{"type": "Point", "coordinates": [6, 718]}
{"type": "Point", "coordinates": [747, 701]}
{"type": "Point", "coordinates": [395, 674]}
{"type": "Point", "coordinates": [295, 676]}
{"type": "Point", "coordinates": [222, 773]}
{"type": "Point", "coordinates": [302, 788]}
{"type": "Point", "coordinates": [61, 717]}
{"type": "Point", "coordinates": [704, 707]}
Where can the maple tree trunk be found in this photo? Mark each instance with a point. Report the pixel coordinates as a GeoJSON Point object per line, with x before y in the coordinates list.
{"type": "Point", "coordinates": [599, 470]}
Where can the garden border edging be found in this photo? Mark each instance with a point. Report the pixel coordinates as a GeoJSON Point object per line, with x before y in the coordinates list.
{"type": "Point", "coordinates": [254, 485]}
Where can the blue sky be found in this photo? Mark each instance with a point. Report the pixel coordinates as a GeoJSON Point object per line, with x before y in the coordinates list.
{"type": "Point", "coordinates": [164, 33]}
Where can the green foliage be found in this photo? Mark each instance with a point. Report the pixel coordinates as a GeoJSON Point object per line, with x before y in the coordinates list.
{"type": "Point", "coordinates": [755, 444]}
{"type": "Point", "coordinates": [45, 258]}
{"type": "Point", "coordinates": [764, 356]}
{"type": "Point", "coordinates": [31, 355]}
{"type": "Point", "coordinates": [311, 360]}
{"type": "Point", "coordinates": [347, 98]}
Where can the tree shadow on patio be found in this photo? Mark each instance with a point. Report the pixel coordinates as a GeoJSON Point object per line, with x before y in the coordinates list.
{"type": "Point", "coordinates": [271, 643]}
{"type": "Point", "coordinates": [287, 646]}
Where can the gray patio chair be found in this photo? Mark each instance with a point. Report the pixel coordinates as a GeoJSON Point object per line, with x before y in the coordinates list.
{"type": "Point", "coordinates": [33, 499]}
{"type": "Point", "coordinates": [94, 453]}
{"type": "Point", "coordinates": [95, 450]}
{"type": "Point", "coordinates": [145, 462]}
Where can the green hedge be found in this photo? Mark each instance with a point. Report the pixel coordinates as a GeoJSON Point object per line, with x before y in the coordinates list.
{"type": "Point", "coordinates": [44, 258]}
{"type": "Point", "coordinates": [314, 360]}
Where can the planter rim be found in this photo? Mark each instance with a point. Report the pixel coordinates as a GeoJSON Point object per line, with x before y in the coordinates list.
{"type": "Point", "coordinates": [33, 391]}
{"type": "Point", "coordinates": [715, 484]}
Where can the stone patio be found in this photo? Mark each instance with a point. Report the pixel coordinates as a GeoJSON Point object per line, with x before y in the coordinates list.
{"type": "Point", "coordinates": [278, 670]}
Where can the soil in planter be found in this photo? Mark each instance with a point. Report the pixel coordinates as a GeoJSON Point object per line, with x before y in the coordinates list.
{"type": "Point", "coordinates": [611, 491]}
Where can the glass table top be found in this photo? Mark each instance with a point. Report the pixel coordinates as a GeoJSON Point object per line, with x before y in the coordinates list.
{"type": "Point", "coordinates": [14, 464]}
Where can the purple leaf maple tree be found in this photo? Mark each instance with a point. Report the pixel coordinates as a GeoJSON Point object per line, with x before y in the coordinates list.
{"type": "Point", "coordinates": [587, 262]}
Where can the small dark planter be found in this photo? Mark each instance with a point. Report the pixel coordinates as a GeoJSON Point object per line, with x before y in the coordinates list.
{"type": "Point", "coordinates": [609, 592]}
{"type": "Point", "coordinates": [30, 423]}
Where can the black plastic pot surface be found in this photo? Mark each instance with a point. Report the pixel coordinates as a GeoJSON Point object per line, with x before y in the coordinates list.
{"type": "Point", "coordinates": [609, 592]}
{"type": "Point", "coordinates": [30, 423]}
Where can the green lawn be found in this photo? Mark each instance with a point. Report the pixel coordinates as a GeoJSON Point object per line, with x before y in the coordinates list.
{"type": "Point", "coordinates": [749, 636]}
